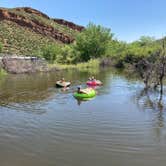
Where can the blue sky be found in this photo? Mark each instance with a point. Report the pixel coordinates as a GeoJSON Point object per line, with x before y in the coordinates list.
{"type": "Point", "coordinates": [128, 19]}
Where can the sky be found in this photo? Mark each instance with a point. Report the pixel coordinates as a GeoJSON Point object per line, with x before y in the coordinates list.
{"type": "Point", "coordinates": [127, 19]}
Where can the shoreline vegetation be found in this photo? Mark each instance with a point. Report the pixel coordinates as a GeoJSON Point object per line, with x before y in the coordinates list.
{"type": "Point", "coordinates": [93, 63]}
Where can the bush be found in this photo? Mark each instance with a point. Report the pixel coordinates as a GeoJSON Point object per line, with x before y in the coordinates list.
{"type": "Point", "coordinates": [0, 47]}
{"type": "Point", "coordinates": [68, 55]}
{"type": "Point", "coordinates": [51, 52]}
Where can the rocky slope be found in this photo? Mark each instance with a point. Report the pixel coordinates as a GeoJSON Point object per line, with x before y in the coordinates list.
{"type": "Point", "coordinates": [30, 22]}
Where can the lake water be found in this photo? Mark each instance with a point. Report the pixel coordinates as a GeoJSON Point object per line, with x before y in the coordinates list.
{"type": "Point", "coordinates": [41, 125]}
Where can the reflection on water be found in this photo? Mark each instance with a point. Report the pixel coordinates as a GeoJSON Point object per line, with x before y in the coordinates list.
{"type": "Point", "coordinates": [81, 101]}
{"type": "Point", "coordinates": [146, 100]}
{"type": "Point", "coordinates": [150, 99]}
{"type": "Point", "coordinates": [41, 125]}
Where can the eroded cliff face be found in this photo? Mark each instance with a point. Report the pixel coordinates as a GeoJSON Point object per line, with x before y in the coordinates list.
{"type": "Point", "coordinates": [33, 11]}
{"type": "Point", "coordinates": [38, 26]}
{"type": "Point", "coordinates": [59, 21]}
{"type": "Point", "coordinates": [69, 24]}
{"type": "Point", "coordinates": [35, 25]}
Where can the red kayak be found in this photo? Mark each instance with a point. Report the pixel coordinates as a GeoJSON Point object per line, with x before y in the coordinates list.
{"type": "Point", "coordinates": [94, 83]}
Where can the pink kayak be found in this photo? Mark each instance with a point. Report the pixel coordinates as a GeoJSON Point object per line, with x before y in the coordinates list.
{"type": "Point", "coordinates": [94, 83]}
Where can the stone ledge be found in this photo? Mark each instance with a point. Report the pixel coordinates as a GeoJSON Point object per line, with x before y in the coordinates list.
{"type": "Point", "coordinates": [23, 64]}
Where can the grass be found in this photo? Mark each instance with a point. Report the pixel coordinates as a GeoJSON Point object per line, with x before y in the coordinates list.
{"type": "Point", "coordinates": [94, 63]}
{"type": "Point", "coordinates": [92, 66]}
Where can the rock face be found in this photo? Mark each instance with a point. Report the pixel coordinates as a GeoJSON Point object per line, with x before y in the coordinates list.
{"type": "Point", "coordinates": [18, 65]}
{"type": "Point", "coordinates": [69, 24]}
{"type": "Point", "coordinates": [38, 27]}
{"type": "Point", "coordinates": [33, 11]}
{"type": "Point", "coordinates": [59, 21]}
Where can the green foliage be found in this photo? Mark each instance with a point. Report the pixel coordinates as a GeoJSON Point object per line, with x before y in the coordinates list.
{"type": "Point", "coordinates": [115, 48]}
{"type": "Point", "coordinates": [92, 42]}
{"type": "Point", "coordinates": [91, 66]}
{"type": "Point", "coordinates": [131, 53]}
{"type": "Point", "coordinates": [146, 40]}
{"type": "Point", "coordinates": [21, 41]}
{"type": "Point", "coordinates": [68, 55]}
{"type": "Point", "coordinates": [0, 47]}
{"type": "Point", "coordinates": [51, 52]}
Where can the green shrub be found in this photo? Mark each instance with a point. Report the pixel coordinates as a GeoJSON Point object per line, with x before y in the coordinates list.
{"type": "Point", "coordinates": [66, 55]}
{"type": "Point", "coordinates": [0, 47]}
{"type": "Point", "coordinates": [51, 52]}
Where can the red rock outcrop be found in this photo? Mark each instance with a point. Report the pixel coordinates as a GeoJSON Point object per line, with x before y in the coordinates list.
{"type": "Point", "coordinates": [59, 21]}
{"type": "Point", "coordinates": [69, 24]}
{"type": "Point", "coordinates": [33, 11]}
{"type": "Point", "coordinates": [35, 25]}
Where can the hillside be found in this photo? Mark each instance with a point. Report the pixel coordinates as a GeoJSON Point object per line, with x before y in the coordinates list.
{"type": "Point", "coordinates": [26, 30]}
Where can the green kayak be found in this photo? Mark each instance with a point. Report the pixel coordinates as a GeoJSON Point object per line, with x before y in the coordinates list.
{"type": "Point", "coordinates": [90, 94]}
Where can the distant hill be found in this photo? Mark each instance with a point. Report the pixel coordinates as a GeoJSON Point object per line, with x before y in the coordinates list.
{"type": "Point", "coordinates": [26, 30]}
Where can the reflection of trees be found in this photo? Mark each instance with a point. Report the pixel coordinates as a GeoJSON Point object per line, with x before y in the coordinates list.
{"type": "Point", "coordinates": [24, 88]}
{"type": "Point", "coordinates": [146, 99]}
{"type": "Point", "coordinates": [149, 99]}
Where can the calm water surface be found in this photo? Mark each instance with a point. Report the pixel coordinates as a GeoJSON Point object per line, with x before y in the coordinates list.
{"type": "Point", "coordinates": [44, 126]}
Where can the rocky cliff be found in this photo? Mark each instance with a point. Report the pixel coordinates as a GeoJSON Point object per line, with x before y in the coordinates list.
{"type": "Point", "coordinates": [37, 23]}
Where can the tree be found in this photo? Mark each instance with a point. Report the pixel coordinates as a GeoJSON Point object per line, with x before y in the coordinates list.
{"type": "Point", "coordinates": [68, 55]}
{"type": "Point", "coordinates": [146, 40]}
{"type": "Point", "coordinates": [51, 52]}
{"type": "Point", "coordinates": [152, 69]}
{"type": "Point", "coordinates": [161, 67]}
{"type": "Point", "coordinates": [92, 42]}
